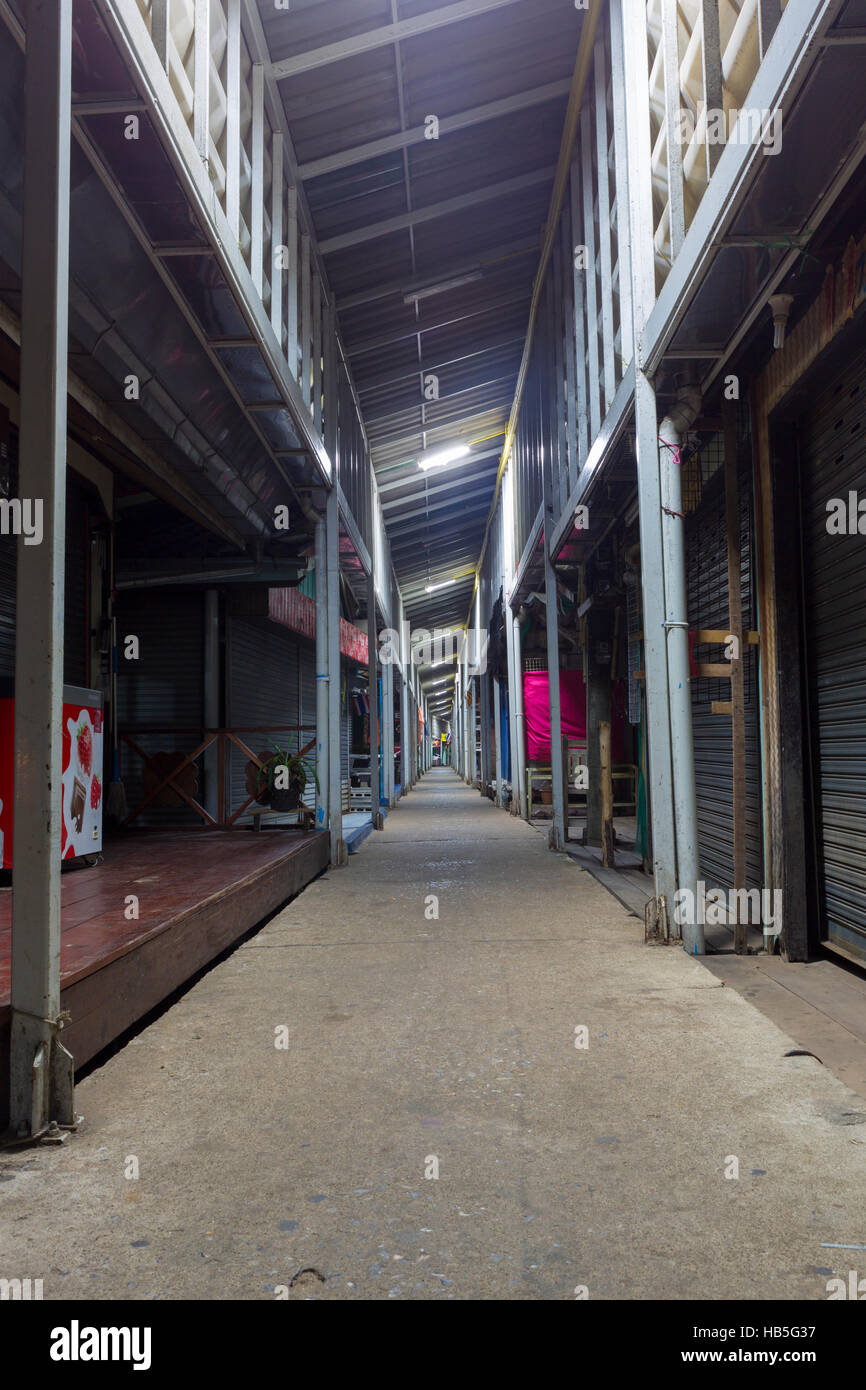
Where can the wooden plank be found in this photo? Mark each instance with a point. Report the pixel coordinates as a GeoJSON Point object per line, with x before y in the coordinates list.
{"type": "Point", "coordinates": [714, 670]}
{"type": "Point", "coordinates": [719, 637]}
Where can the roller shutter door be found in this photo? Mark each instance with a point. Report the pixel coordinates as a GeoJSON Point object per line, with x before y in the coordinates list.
{"type": "Point", "coordinates": [264, 691]}
{"type": "Point", "coordinates": [834, 465]}
{"type": "Point", "coordinates": [707, 581]}
{"type": "Point", "coordinates": [163, 689]}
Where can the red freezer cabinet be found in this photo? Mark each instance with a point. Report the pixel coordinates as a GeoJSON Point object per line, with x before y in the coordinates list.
{"type": "Point", "coordinates": [81, 787]}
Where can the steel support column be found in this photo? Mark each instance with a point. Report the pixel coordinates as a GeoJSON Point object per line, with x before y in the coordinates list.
{"type": "Point", "coordinates": [323, 757]}
{"type": "Point", "coordinates": [373, 699]}
{"type": "Point", "coordinates": [405, 765]}
{"type": "Point", "coordinates": [41, 1072]}
{"type": "Point", "coordinates": [660, 781]}
{"type": "Point", "coordinates": [335, 684]}
{"type": "Point", "coordinates": [388, 732]}
{"type": "Point", "coordinates": [559, 828]}
{"type": "Point", "coordinates": [497, 739]}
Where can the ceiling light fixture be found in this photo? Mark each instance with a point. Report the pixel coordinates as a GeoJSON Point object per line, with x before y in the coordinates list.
{"type": "Point", "coordinates": [446, 583]}
{"type": "Point", "coordinates": [442, 287]}
{"type": "Point", "coordinates": [441, 457]}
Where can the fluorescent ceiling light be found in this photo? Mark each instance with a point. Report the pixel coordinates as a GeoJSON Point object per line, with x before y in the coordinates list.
{"type": "Point", "coordinates": [431, 588]}
{"type": "Point", "coordinates": [443, 456]}
{"type": "Point", "coordinates": [443, 286]}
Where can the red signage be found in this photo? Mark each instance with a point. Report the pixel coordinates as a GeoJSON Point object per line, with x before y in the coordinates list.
{"type": "Point", "coordinates": [297, 611]}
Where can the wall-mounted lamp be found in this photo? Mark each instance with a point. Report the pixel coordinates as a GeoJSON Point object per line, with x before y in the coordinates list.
{"type": "Point", "coordinates": [780, 306]}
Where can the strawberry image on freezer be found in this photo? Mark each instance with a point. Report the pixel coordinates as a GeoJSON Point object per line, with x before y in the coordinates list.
{"type": "Point", "coordinates": [95, 793]}
{"type": "Point", "coordinates": [84, 738]}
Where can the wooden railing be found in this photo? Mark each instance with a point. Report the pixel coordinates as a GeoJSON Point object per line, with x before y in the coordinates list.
{"type": "Point", "coordinates": [223, 739]}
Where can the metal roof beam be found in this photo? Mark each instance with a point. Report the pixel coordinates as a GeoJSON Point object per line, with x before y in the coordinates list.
{"type": "Point", "coordinates": [448, 125]}
{"type": "Point", "coordinates": [455, 481]}
{"type": "Point", "coordinates": [372, 417]}
{"type": "Point", "coordinates": [396, 527]}
{"type": "Point", "coordinates": [448, 207]}
{"type": "Point", "coordinates": [491, 260]}
{"type": "Point", "coordinates": [383, 36]}
{"type": "Point", "coordinates": [448, 320]}
{"type": "Point", "coordinates": [464, 354]}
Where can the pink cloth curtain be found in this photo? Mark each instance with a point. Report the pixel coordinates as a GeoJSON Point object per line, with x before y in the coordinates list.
{"type": "Point", "coordinates": [572, 697]}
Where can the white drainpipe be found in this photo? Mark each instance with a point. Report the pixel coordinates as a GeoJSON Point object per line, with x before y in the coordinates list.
{"type": "Point", "coordinates": [671, 431]}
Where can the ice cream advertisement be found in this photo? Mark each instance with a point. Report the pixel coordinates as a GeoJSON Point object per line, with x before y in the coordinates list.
{"type": "Point", "coordinates": [82, 781]}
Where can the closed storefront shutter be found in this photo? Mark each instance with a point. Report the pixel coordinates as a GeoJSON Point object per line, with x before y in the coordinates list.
{"type": "Point", "coordinates": [162, 690]}
{"type": "Point", "coordinates": [707, 581]}
{"type": "Point", "coordinates": [834, 465]}
{"type": "Point", "coordinates": [75, 643]}
{"type": "Point", "coordinates": [264, 673]}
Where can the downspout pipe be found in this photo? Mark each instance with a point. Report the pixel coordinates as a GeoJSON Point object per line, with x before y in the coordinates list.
{"type": "Point", "coordinates": [322, 674]}
{"type": "Point", "coordinates": [672, 431]}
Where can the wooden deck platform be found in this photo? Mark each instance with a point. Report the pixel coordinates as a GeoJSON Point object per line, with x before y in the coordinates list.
{"type": "Point", "coordinates": [198, 892]}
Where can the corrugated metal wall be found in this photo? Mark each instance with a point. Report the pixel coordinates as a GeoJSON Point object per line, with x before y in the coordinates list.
{"type": "Point", "coordinates": [269, 672]}
{"type": "Point", "coordinates": [834, 464]}
{"type": "Point", "coordinates": [163, 688]}
{"type": "Point", "coordinates": [707, 580]}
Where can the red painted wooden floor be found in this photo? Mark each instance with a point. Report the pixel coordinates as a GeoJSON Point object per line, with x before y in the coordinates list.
{"type": "Point", "coordinates": [171, 874]}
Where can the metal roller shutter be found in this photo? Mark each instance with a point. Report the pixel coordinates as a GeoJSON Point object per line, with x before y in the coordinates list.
{"type": "Point", "coordinates": [263, 692]}
{"type": "Point", "coordinates": [707, 581]}
{"type": "Point", "coordinates": [834, 464]}
{"type": "Point", "coordinates": [163, 689]}
{"type": "Point", "coordinates": [75, 645]}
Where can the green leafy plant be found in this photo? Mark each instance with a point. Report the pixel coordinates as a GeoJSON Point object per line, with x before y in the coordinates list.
{"type": "Point", "coordinates": [300, 769]}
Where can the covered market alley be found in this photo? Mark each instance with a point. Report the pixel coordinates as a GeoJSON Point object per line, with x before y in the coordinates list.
{"type": "Point", "coordinates": [432, 730]}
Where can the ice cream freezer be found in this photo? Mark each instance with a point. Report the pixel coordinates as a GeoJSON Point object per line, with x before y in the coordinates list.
{"type": "Point", "coordinates": [81, 783]}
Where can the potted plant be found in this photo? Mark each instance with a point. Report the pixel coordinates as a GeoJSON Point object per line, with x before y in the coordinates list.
{"type": "Point", "coordinates": [282, 779]}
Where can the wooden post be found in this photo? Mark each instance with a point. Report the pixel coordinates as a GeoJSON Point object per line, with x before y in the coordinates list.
{"type": "Point", "coordinates": [735, 622]}
{"type": "Point", "coordinates": [607, 836]}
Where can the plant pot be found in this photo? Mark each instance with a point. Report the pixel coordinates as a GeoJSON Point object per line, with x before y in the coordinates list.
{"type": "Point", "coordinates": [286, 798]}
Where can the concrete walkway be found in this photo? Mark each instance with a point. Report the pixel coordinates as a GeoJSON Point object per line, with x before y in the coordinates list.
{"type": "Point", "coordinates": [413, 1038]}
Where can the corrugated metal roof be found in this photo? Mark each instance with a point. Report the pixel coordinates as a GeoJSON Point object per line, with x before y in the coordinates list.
{"type": "Point", "coordinates": [411, 214]}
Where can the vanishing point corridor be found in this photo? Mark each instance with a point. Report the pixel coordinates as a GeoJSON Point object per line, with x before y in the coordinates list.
{"type": "Point", "coordinates": [421, 1035]}
{"type": "Point", "coordinates": [432, 678]}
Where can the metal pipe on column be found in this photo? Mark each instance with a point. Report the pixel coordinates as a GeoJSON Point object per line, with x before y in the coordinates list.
{"type": "Point", "coordinates": [559, 828]}
{"type": "Point", "coordinates": [388, 731]}
{"type": "Point", "coordinates": [497, 739]}
{"type": "Point", "coordinates": [471, 725]}
{"type": "Point", "coordinates": [41, 1069]}
{"type": "Point", "coordinates": [339, 852]}
{"type": "Point", "coordinates": [373, 700]}
{"type": "Point", "coordinates": [630, 24]}
{"type": "Point", "coordinates": [670, 438]}
{"type": "Point", "coordinates": [519, 719]}
{"type": "Point", "coordinates": [404, 725]}
{"type": "Point", "coordinates": [323, 756]}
